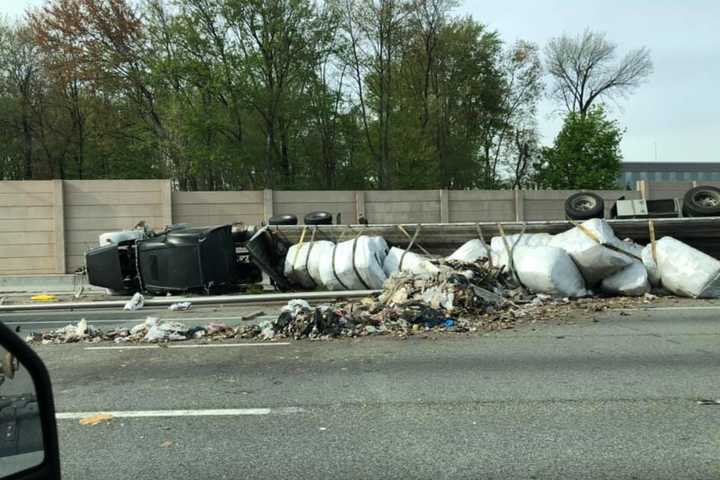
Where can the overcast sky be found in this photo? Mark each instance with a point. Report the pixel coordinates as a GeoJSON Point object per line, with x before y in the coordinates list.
{"type": "Point", "coordinates": [675, 116]}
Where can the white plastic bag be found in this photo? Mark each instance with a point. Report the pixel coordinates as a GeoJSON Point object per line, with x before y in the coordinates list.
{"type": "Point", "coordinates": [180, 306]}
{"type": "Point", "coordinates": [586, 246]}
{"type": "Point", "coordinates": [135, 303]}
{"type": "Point", "coordinates": [500, 251]}
{"type": "Point", "coordinates": [345, 271]}
{"type": "Point", "coordinates": [303, 269]}
{"type": "Point", "coordinates": [684, 270]}
{"type": "Point", "coordinates": [471, 251]}
{"type": "Point", "coordinates": [631, 281]}
{"type": "Point", "coordinates": [548, 270]}
{"type": "Point", "coordinates": [412, 262]}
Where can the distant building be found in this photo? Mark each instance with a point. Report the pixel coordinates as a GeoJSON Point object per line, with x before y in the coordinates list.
{"type": "Point", "coordinates": [631, 172]}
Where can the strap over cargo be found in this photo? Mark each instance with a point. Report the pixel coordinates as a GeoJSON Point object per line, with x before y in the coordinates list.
{"type": "Point", "coordinates": [594, 248]}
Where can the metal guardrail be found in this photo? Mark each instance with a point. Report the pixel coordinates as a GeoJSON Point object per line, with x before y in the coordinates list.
{"type": "Point", "coordinates": [212, 300]}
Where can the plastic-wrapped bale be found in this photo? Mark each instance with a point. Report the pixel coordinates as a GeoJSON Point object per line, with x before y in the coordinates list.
{"type": "Point", "coordinates": [499, 250]}
{"type": "Point", "coordinates": [682, 269]}
{"type": "Point", "coordinates": [355, 264]}
{"type": "Point", "coordinates": [631, 281]}
{"type": "Point", "coordinates": [411, 262]}
{"type": "Point", "coordinates": [548, 270]}
{"type": "Point", "coordinates": [586, 245]}
{"type": "Point", "coordinates": [302, 262]}
{"type": "Point", "coordinates": [471, 251]}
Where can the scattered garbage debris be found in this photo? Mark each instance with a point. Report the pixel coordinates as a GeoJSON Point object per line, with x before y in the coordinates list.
{"type": "Point", "coordinates": [44, 297]}
{"type": "Point", "coordinates": [180, 306]}
{"type": "Point", "coordinates": [69, 334]}
{"type": "Point", "coordinates": [135, 303]}
{"type": "Point", "coordinates": [448, 299]}
{"type": "Point", "coordinates": [164, 331]}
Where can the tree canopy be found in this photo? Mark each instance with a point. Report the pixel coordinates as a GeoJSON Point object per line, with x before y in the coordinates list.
{"type": "Point", "coordinates": [585, 155]}
{"type": "Point", "coordinates": [250, 94]}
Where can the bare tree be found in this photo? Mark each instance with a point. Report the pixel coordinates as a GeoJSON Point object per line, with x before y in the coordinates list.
{"type": "Point", "coordinates": [427, 19]}
{"type": "Point", "coordinates": [522, 70]}
{"type": "Point", "coordinates": [585, 69]}
{"type": "Point", "coordinates": [375, 35]}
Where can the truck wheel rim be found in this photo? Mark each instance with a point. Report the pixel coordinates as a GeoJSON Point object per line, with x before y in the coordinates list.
{"type": "Point", "coordinates": [706, 199]}
{"type": "Point", "coordinates": [584, 204]}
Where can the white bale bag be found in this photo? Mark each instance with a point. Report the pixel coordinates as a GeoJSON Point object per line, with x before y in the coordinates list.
{"type": "Point", "coordinates": [500, 252]}
{"type": "Point", "coordinates": [586, 246]}
{"type": "Point", "coordinates": [355, 264]}
{"type": "Point", "coordinates": [411, 262]}
{"type": "Point", "coordinates": [684, 270]}
{"type": "Point", "coordinates": [548, 270]}
{"type": "Point", "coordinates": [302, 262]}
{"type": "Point", "coordinates": [631, 281]}
{"type": "Point", "coordinates": [471, 251]}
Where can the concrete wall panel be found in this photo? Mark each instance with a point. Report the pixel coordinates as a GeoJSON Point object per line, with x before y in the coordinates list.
{"type": "Point", "coordinates": [27, 227]}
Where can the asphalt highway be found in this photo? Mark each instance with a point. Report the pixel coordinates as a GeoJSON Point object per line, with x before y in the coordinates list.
{"type": "Point", "coordinates": [612, 395]}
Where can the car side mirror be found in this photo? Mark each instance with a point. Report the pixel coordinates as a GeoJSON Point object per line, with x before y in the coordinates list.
{"type": "Point", "coordinates": [28, 432]}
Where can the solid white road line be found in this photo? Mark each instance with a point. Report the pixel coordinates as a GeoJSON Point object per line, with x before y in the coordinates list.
{"type": "Point", "coordinates": [194, 345]}
{"type": "Point", "coordinates": [664, 309]}
{"type": "Point", "coordinates": [217, 412]}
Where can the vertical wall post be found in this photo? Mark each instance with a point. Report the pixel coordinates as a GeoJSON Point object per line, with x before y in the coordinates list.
{"type": "Point", "coordinates": [359, 205]}
{"type": "Point", "coordinates": [267, 204]}
{"type": "Point", "coordinates": [59, 225]}
{"type": "Point", "coordinates": [519, 205]}
{"type": "Point", "coordinates": [166, 201]}
{"type": "Point", "coordinates": [444, 206]}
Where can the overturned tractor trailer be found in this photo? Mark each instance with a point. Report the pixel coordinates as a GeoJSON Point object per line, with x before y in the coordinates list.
{"type": "Point", "coordinates": [229, 258]}
{"type": "Point", "coordinates": [180, 258]}
{"type": "Point", "coordinates": [701, 201]}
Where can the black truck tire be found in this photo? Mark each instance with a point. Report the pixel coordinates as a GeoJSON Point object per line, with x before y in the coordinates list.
{"type": "Point", "coordinates": [702, 201]}
{"type": "Point", "coordinates": [283, 220]}
{"type": "Point", "coordinates": [318, 218]}
{"type": "Point", "coordinates": [584, 206]}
